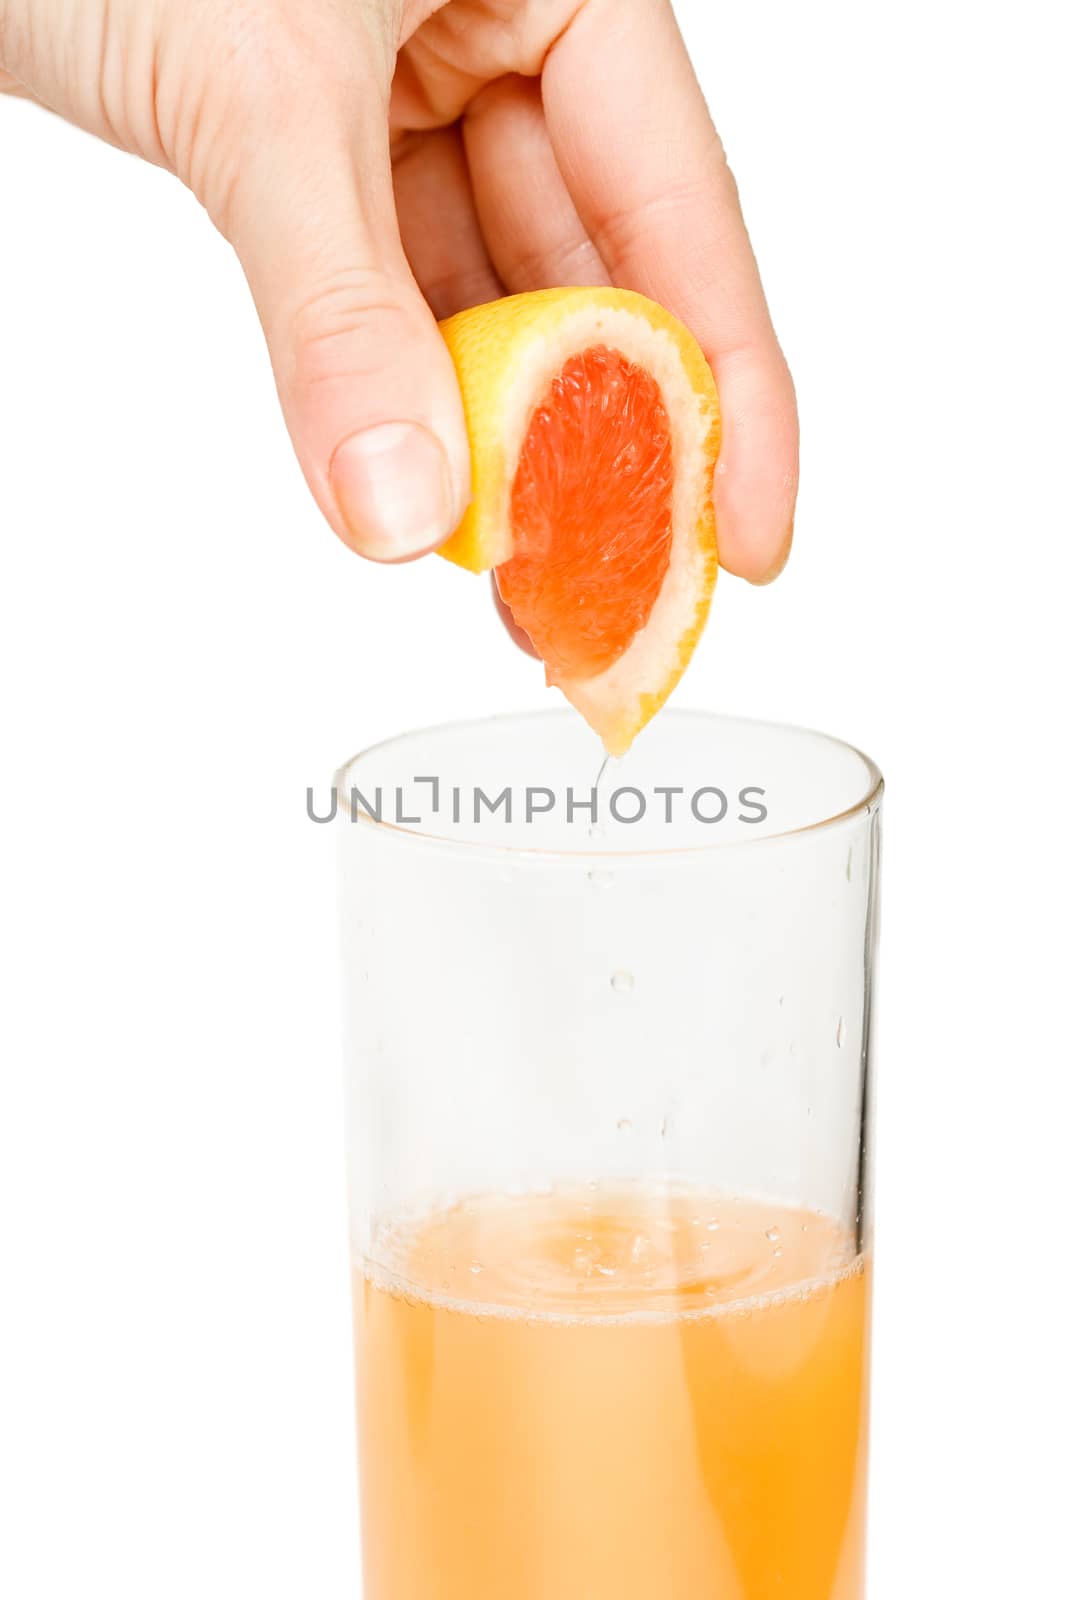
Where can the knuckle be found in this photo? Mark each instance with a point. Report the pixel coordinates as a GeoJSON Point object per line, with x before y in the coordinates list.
{"type": "Point", "coordinates": [624, 229]}
{"type": "Point", "coordinates": [508, 92]}
{"type": "Point", "coordinates": [341, 328]}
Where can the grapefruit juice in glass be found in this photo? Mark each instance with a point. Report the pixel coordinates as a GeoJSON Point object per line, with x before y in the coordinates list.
{"type": "Point", "coordinates": [609, 1118]}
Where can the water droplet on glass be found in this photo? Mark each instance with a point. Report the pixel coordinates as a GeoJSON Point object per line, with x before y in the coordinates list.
{"type": "Point", "coordinates": [599, 879]}
{"type": "Point", "coordinates": [847, 869]}
{"type": "Point", "coordinates": [664, 1127]}
{"type": "Point", "coordinates": [475, 1267]}
{"type": "Point", "coordinates": [773, 1234]}
{"type": "Point", "coordinates": [778, 1250]}
{"type": "Point", "coordinates": [624, 1125]}
{"type": "Point", "coordinates": [842, 1033]}
{"type": "Point", "coordinates": [793, 1048]}
{"type": "Point", "coordinates": [713, 1225]}
{"type": "Point", "coordinates": [622, 982]}
{"type": "Point", "coordinates": [780, 999]}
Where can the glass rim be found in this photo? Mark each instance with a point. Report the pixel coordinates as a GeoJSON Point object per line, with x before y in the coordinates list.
{"type": "Point", "coordinates": [869, 801]}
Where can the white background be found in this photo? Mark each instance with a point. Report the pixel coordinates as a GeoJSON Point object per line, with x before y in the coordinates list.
{"type": "Point", "coordinates": [184, 647]}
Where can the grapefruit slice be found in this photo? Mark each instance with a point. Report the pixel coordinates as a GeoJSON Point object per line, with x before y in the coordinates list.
{"type": "Point", "coordinates": [594, 430]}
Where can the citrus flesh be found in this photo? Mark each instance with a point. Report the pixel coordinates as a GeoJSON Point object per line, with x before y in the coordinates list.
{"type": "Point", "coordinates": [594, 430]}
{"type": "Point", "coordinates": [590, 515]}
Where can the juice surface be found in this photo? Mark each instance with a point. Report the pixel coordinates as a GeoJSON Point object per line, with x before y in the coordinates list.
{"type": "Point", "coordinates": [613, 1395]}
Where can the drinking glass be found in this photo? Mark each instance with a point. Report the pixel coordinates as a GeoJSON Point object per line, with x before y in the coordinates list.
{"type": "Point", "coordinates": [609, 1117]}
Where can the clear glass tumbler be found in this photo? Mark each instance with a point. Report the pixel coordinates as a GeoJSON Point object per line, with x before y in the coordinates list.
{"type": "Point", "coordinates": [608, 1066]}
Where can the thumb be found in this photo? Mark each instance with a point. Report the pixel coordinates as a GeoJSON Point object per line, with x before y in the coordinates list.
{"type": "Point", "coordinates": [366, 383]}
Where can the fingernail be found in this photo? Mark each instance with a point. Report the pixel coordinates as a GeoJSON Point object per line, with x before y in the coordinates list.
{"type": "Point", "coordinates": [393, 487]}
{"type": "Point", "coordinates": [778, 564]}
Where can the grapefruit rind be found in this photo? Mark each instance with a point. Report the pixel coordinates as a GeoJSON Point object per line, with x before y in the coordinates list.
{"type": "Point", "coordinates": [506, 355]}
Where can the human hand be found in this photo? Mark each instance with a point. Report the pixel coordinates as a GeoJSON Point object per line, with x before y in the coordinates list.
{"type": "Point", "coordinates": [377, 164]}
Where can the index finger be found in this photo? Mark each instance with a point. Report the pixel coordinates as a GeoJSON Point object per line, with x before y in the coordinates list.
{"type": "Point", "coordinates": [647, 172]}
